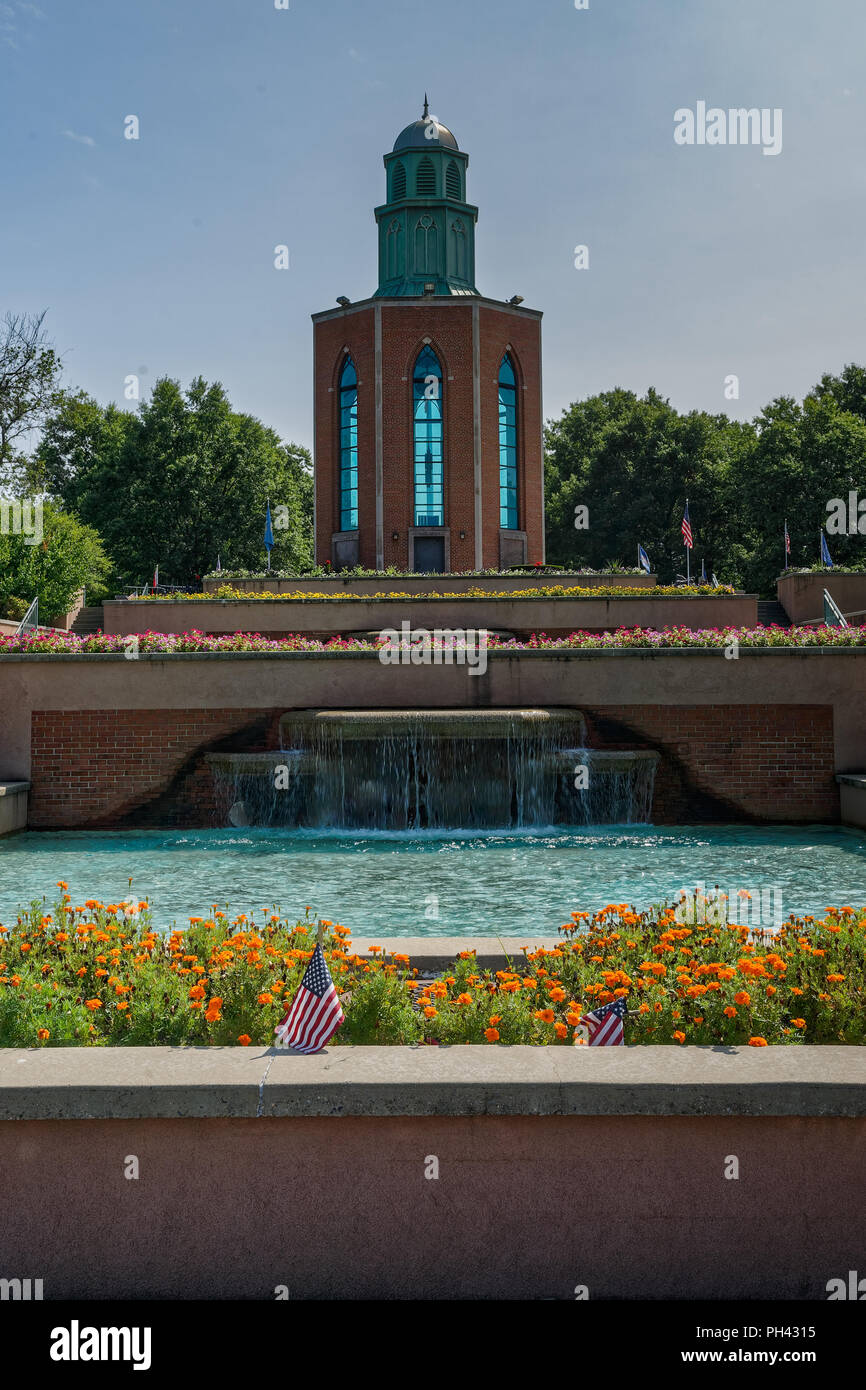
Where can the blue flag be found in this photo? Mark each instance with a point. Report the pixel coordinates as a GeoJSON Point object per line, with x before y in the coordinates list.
{"type": "Point", "coordinates": [643, 560]}
{"type": "Point", "coordinates": [825, 552]}
{"type": "Point", "coordinates": [269, 531]}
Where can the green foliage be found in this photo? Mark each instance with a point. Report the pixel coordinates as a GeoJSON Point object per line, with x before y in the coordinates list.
{"type": "Point", "coordinates": [29, 371]}
{"type": "Point", "coordinates": [181, 481]}
{"type": "Point", "coordinates": [69, 557]}
{"type": "Point", "coordinates": [632, 462]}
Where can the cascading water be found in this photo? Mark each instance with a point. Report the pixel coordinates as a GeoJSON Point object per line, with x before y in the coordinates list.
{"type": "Point", "coordinates": [425, 770]}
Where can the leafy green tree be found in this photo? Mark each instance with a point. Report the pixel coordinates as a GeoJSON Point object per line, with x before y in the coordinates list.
{"type": "Point", "coordinates": [68, 557]}
{"type": "Point", "coordinates": [180, 482]}
{"type": "Point", "coordinates": [29, 373]}
{"type": "Point", "coordinates": [804, 456]}
{"type": "Point", "coordinates": [632, 462]}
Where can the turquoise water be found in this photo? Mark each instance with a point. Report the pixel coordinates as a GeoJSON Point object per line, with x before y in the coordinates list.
{"type": "Point", "coordinates": [479, 884]}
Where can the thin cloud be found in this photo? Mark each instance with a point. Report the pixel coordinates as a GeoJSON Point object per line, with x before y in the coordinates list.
{"type": "Point", "coordinates": [82, 139]}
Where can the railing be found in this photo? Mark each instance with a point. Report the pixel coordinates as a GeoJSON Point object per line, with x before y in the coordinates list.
{"type": "Point", "coordinates": [30, 621]}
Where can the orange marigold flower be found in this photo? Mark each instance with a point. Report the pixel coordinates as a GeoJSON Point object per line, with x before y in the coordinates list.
{"type": "Point", "coordinates": [430, 1012]}
{"type": "Point", "coordinates": [491, 1034]}
{"type": "Point", "coordinates": [266, 998]}
{"type": "Point", "coordinates": [197, 992]}
{"type": "Point", "coordinates": [758, 1042]}
{"type": "Point", "coordinates": [123, 1005]}
{"type": "Point", "coordinates": [464, 999]}
{"type": "Point", "coordinates": [93, 1004]}
{"type": "Point", "coordinates": [561, 1030]}
{"type": "Point", "coordinates": [742, 997]}
{"type": "Point", "coordinates": [799, 1022]}
{"type": "Point", "coordinates": [43, 1034]}
{"type": "Point", "coordinates": [679, 1037]}
{"type": "Point", "coordinates": [244, 1039]}
{"type": "Point", "coordinates": [730, 1011]}
{"type": "Point", "coordinates": [545, 1015]}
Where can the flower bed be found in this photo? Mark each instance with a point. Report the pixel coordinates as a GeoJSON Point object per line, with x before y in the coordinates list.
{"type": "Point", "coordinates": [97, 974]}
{"type": "Point", "coordinates": [227, 592]}
{"type": "Point", "coordinates": [624, 639]}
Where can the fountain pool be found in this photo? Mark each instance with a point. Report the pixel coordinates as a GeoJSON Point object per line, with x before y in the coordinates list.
{"type": "Point", "coordinates": [434, 883]}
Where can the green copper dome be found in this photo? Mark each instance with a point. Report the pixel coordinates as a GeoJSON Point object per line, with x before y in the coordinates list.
{"type": "Point", "coordinates": [426, 227]}
{"type": "Point", "coordinates": [427, 131]}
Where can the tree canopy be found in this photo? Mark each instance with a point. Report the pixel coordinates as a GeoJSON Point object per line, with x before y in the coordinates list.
{"type": "Point", "coordinates": [632, 462]}
{"type": "Point", "coordinates": [178, 482]}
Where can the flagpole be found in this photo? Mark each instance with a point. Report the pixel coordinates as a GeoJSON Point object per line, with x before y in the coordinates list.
{"type": "Point", "coordinates": [688, 566]}
{"type": "Point", "coordinates": [786, 543]}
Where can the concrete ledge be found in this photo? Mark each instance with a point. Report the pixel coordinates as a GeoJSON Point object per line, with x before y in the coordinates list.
{"type": "Point", "coordinates": [852, 799]}
{"type": "Point", "coordinates": [13, 806]}
{"type": "Point", "coordinates": [204, 1083]}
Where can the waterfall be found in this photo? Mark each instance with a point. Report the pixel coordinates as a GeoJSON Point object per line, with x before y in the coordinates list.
{"type": "Point", "coordinates": [430, 770]}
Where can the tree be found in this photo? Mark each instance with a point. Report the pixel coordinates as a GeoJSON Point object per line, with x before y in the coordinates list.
{"type": "Point", "coordinates": [180, 482]}
{"type": "Point", "coordinates": [804, 456]}
{"type": "Point", "coordinates": [632, 463]}
{"type": "Point", "coordinates": [29, 373]}
{"type": "Point", "coordinates": [52, 566]}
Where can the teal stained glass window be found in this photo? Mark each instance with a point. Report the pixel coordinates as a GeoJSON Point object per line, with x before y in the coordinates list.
{"type": "Point", "coordinates": [428, 462]}
{"type": "Point", "coordinates": [507, 446]}
{"type": "Point", "coordinates": [349, 447]}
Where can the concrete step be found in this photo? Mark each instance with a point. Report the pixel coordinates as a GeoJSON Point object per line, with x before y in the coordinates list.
{"type": "Point", "coordinates": [772, 614]}
{"type": "Point", "coordinates": [89, 620]}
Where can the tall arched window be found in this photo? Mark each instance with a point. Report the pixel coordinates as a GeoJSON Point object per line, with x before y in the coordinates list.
{"type": "Point", "coordinates": [507, 445]}
{"type": "Point", "coordinates": [426, 245]}
{"type": "Point", "coordinates": [459, 259]}
{"type": "Point", "coordinates": [398, 181]}
{"type": "Point", "coordinates": [429, 506]}
{"type": "Point", "coordinates": [348, 447]}
{"type": "Point", "coordinates": [393, 261]}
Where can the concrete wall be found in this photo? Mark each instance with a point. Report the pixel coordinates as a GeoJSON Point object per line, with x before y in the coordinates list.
{"type": "Point", "coordinates": [524, 616]}
{"type": "Point", "coordinates": [802, 595]}
{"type": "Point", "coordinates": [852, 800]}
{"type": "Point", "coordinates": [558, 1167]}
{"type": "Point", "coordinates": [759, 737]}
{"type": "Point", "coordinates": [13, 806]}
{"type": "Point", "coordinates": [431, 583]}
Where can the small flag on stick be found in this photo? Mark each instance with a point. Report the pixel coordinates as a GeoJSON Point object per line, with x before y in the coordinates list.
{"type": "Point", "coordinates": [269, 533]}
{"type": "Point", "coordinates": [643, 559]}
{"type": "Point", "coordinates": [315, 1013]}
{"type": "Point", "coordinates": [825, 553]}
{"type": "Point", "coordinates": [787, 544]}
{"type": "Point", "coordinates": [605, 1025]}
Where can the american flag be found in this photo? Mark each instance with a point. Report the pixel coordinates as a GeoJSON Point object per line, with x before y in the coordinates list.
{"type": "Point", "coordinates": [315, 1014]}
{"type": "Point", "coordinates": [686, 528]}
{"type": "Point", "coordinates": [605, 1025]}
{"type": "Point", "coordinates": [787, 540]}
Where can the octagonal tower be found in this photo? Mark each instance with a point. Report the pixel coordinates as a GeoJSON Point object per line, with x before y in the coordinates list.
{"type": "Point", "coordinates": [428, 449]}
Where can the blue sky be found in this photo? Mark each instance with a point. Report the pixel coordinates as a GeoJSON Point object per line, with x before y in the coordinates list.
{"type": "Point", "coordinates": [261, 127]}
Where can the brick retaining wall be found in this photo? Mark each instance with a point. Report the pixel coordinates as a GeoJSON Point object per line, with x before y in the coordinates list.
{"type": "Point", "coordinates": [113, 768]}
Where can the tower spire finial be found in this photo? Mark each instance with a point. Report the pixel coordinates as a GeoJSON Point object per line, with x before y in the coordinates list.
{"type": "Point", "coordinates": [426, 107]}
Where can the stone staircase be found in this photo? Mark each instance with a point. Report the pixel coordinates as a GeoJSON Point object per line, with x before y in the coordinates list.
{"type": "Point", "coordinates": [88, 621]}
{"type": "Point", "coordinates": [771, 613]}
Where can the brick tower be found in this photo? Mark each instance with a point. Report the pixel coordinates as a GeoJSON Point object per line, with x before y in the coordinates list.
{"type": "Point", "coordinates": [428, 447]}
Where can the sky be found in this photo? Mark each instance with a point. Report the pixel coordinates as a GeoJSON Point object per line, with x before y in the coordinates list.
{"type": "Point", "coordinates": [261, 127]}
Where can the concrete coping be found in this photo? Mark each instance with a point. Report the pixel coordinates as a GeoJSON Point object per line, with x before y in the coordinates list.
{"type": "Point", "coordinates": [494, 654]}
{"type": "Point", "coordinates": [639, 596]}
{"type": "Point", "coordinates": [13, 788]}
{"type": "Point", "coordinates": [342, 1082]}
{"type": "Point", "coordinates": [852, 779]}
